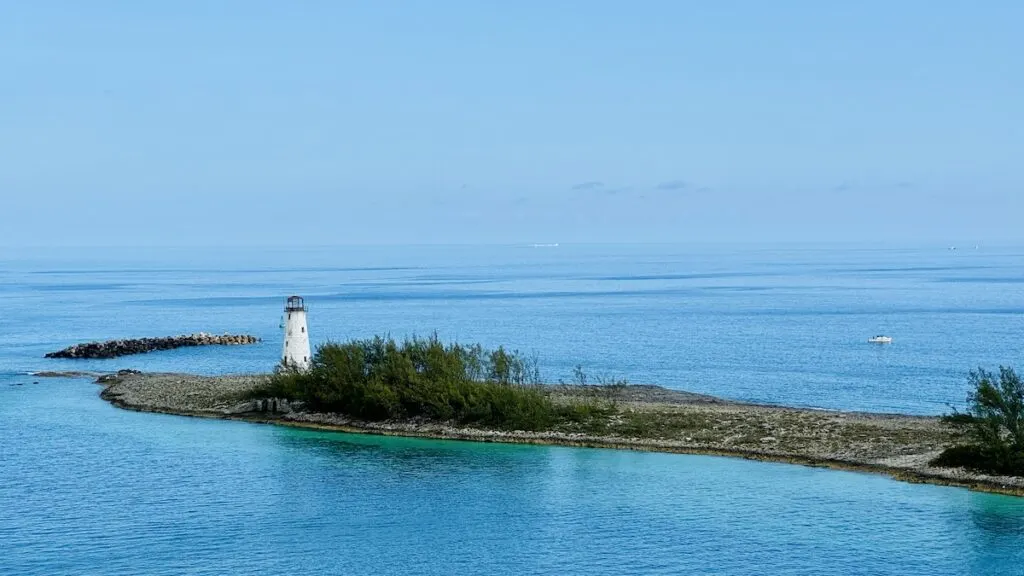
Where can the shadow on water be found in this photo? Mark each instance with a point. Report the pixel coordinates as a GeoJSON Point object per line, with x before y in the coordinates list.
{"type": "Point", "coordinates": [997, 516]}
{"type": "Point", "coordinates": [411, 455]}
{"type": "Point", "coordinates": [465, 461]}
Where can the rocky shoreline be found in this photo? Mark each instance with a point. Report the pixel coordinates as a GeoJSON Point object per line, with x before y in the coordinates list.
{"type": "Point", "coordinates": [900, 446]}
{"type": "Point", "coordinates": [118, 348]}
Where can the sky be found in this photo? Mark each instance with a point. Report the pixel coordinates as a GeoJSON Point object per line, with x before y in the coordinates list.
{"type": "Point", "coordinates": [255, 123]}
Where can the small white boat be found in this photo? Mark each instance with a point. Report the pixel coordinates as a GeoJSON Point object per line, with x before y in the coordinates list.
{"type": "Point", "coordinates": [880, 339]}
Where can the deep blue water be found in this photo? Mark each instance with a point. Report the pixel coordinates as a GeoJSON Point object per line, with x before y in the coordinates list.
{"type": "Point", "coordinates": [89, 489]}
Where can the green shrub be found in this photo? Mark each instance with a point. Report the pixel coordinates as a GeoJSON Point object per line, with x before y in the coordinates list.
{"type": "Point", "coordinates": [993, 425]}
{"type": "Point", "coordinates": [380, 379]}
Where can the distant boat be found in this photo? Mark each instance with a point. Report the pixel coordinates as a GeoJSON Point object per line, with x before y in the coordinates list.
{"type": "Point", "coordinates": [555, 245]}
{"type": "Point", "coordinates": [880, 339]}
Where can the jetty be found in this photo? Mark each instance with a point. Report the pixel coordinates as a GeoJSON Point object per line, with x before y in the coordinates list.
{"type": "Point", "coordinates": [117, 348]}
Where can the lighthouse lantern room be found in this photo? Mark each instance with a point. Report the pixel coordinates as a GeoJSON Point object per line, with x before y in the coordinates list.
{"type": "Point", "coordinates": [296, 334]}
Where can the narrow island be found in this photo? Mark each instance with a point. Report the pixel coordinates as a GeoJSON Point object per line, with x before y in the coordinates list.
{"type": "Point", "coordinates": [425, 388]}
{"type": "Point", "coordinates": [127, 347]}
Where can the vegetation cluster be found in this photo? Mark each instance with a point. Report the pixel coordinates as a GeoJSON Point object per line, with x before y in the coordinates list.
{"type": "Point", "coordinates": [992, 426]}
{"type": "Point", "coordinates": [381, 379]}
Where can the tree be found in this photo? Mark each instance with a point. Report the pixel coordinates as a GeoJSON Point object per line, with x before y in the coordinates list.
{"type": "Point", "coordinates": [993, 425]}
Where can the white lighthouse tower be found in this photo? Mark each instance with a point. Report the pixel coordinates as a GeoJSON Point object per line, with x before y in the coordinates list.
{"type": "Point", "coordinates": [296, 335]}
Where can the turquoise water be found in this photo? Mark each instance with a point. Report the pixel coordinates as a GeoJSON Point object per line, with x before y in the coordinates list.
{"type": "Point", "coordinates": [89, 489]}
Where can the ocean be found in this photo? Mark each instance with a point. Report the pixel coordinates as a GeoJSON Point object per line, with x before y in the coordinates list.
{"type": "Point", "coordinates": [86, 488]}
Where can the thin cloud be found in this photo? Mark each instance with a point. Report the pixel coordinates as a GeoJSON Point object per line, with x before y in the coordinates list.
{"type": "Point", "coordinates": [596, 187]}
{"type": "Point", "coordinates": [589, 185]}
{"type": "Point", "coordinates": [672, 185]}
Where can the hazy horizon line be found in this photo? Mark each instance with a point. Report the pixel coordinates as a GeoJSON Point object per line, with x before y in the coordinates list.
{"type": "Point", "coordinates": [944, 244]}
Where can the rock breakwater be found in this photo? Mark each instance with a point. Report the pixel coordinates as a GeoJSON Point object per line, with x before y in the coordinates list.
{"type": "Point", "coordinates": [116, 348]}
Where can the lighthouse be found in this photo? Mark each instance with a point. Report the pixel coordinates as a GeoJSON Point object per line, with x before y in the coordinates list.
{"type": "Point", "coordinates": [296, 335]}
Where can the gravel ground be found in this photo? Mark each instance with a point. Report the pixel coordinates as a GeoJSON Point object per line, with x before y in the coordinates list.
{"type": "Point", "coordinates": [673, 421]}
